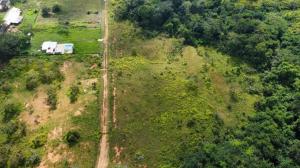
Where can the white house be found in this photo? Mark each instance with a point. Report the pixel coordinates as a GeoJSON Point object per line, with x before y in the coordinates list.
{"type": "Point", "coordinates": [4, 5]}
{"type": "Point", "coordinates": [13, 16]}
{"type": "Point", "coordinates": [51, 47]}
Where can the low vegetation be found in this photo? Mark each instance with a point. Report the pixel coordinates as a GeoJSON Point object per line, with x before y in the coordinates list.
{"type": "Point", "coordinates": [73, 93]}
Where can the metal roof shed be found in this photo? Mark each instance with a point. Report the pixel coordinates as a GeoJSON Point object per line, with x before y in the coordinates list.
{"type": "Point", "coordinates": [13, 16]}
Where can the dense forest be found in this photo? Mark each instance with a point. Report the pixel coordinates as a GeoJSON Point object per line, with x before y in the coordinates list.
{"type": "Point", "coordinates": [265, 34]}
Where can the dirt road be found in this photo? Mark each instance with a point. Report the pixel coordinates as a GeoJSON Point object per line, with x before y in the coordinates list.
{"type": "Point", "coordinates": [103, 158]}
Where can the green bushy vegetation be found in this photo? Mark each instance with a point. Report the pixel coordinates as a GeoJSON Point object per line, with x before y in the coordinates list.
{"type": "Point", "coordinates": [264, 34]}
{"type": "Point", "coordinates": [12, 44]}
{"type": "Point", "coordinates": [18, 76]}
{"type": "Point", "coordinates": [72, 137]}
{"type": "Point", "coordinates": [73, 93]}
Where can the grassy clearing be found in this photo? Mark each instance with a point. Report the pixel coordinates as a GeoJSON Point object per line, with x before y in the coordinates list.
{"type": "Point", "coordinates": [84, 39]}
{"type": "Point", "coordinates": [166, 93]}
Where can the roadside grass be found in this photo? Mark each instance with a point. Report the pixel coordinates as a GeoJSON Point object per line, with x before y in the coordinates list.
{"type": "Point", "coordinates": [173, 93]}
{"type": "Point", "coordinates": [88, 127]}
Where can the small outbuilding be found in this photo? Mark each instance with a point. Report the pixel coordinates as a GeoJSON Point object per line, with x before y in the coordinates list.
{"type": "Point", "coordinates": [68, 48]}
{"type": "Point", "coordinates": [13, 16]}
{"type": "Point", "coordinates": [4, 5]}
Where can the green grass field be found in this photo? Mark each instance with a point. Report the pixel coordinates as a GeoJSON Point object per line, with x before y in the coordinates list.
{"type": "Point", "coordinates": [168, 96]}
{"type": "Point", "coordinates": [78, 23]}
{"type": "Point", "coordinates": [84, 39]}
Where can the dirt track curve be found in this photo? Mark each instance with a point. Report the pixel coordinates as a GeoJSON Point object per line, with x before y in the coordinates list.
{"type": "Point", "coordinates": [103, 157]}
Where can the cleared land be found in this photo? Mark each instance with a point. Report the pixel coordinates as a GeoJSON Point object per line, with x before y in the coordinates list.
{"type": "Point", "coordinates": [169, 95]}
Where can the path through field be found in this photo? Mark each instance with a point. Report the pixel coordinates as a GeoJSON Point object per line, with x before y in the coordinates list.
{"type": "Point", "coordinates": [103, 158]}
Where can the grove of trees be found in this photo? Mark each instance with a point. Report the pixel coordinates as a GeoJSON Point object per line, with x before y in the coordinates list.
{"type": "Point", "coordinates": [12, 44]}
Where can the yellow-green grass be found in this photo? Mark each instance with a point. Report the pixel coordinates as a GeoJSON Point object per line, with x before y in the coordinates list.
{"type": "Point", "coordinates": [166, 97]}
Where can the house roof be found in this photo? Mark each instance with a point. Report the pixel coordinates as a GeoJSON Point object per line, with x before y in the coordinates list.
{"type": "Point", "coordinates": [69, 48]}
{"type": "Point", "coordinates": [49, 45]}
{"type": "Point", "coordinates": [13, 16]}
{"type": "Point", "coordinates": [52, 47]}
{"type": "Point", "coordinates": [3, 2]}
{"type": "Point", "coordinates": [60, 48]}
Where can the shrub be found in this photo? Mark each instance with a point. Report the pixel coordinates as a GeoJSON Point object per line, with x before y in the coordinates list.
{"type": "Point", "coordinates": [6, 88]}
{"type": "Point", "coordinates": [33, 160]}
{"type": "Point", "coordinates": [38, 141]}
{"type": "Point", "coordinates": [73, 93]}
{"type": "Point", "coordinates": [56, 8]}
{"type": "Point", "coordinates": [48, 76]}
{"type": "Point", "coordinates": [233, 95]}
{"type": "Point", "coordinates": [10, 111]}
{"type": "Point", "coordinates": [12, 44]}
{"type": "Point", "coordinates": [72, 137]}
{"type": "Point", "coordinates": [63, 29]}
{"type": "Point", "coordinates": [20, 131]}
{"type": "Point", "coordinates": [16, 160]}
{"type": "Point", "coordinates": [52, 98]}
{"type": "Point", "coordinates": [4, 150]}
{"type": "Point", "coordinates": [32, 80]}
{"type": "Point", "coordinates": [46, 12]}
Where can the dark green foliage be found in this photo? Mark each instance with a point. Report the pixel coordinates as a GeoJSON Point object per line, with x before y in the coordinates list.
{"type": "Point", "coordinates": [4, 154]}
{"type": "Point", "coordinates": [63, 29]}
{"type": "Point", "coordinates": [33, 160]}
{"type": "Point", "coordinates": [16, 160]}
{"type": "Point", "coordinates": [46, 12]}
{"type": "Point", "coordinates": [72, 137]}
{"type": "Point", "coordinates": [10, 111]}
{"type": "Point", "coordinates": [12, 44]}
{"type": "Point", "coordinates": [47, 76]}
{"type": "Point", "coordinates": [6, 88]}
{"type": "Point", "coordinates": [56, 8]}
{"type": "Point", "coordinates": [39, 141]}
{"type": "Point", "coordinates": [73, 93]}
{"type": "Point", "coordinates": [32, 80]}
{"type": "Point", "coordinates": [240, 30]}
{"type": "Point", "coordinates": [13, 2]}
